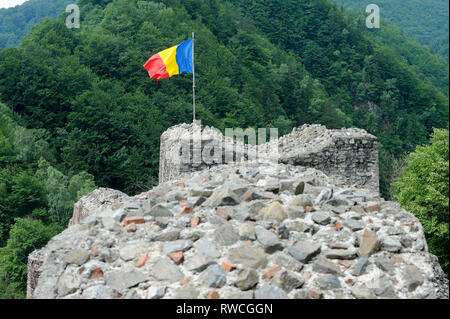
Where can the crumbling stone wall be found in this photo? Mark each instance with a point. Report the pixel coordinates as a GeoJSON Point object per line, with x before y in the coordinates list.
{"type": "Point", "coordinates": [33, 266]}
{"type": "Point", "coordinates": [99, 200]}
{"type": "Point", "coordinates": [196, 142]}
{"type": "Point", "coordinates": [349, 157]}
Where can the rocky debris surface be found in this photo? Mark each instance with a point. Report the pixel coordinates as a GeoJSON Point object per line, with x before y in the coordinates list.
{"type": "Point", "coordinates": [247, 230]}
{"type": "Point", "coordinates": [349, 157]}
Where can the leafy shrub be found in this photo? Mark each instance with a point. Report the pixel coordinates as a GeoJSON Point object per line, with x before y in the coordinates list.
{"type": "Point", "coordinates": [24, 237]}
{"type": "Point", "coordinates": [423, 189]}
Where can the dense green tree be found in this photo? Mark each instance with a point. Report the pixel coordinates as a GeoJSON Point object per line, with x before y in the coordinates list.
{"type": "Point", "coordinates": [61, 192]}
{"type": "Point", "coordinates": [423, 189]}
{"type": "Point", "coordinates": [34, 197]}
{"type": "Point", "coordinates": [7, 290]}
{"type": "Point", "coordinates": [20, 193]}
{"type": "Point", "coordinates": [29, 185]}
{"type": "Point", "coordinates": [25, 236]}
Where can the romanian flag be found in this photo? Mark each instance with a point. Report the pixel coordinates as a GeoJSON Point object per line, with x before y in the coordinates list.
{"type": "Point", "coordinates": [172, 61]}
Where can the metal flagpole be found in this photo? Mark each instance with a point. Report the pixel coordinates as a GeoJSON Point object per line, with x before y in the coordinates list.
{"type": "Point", "coordinates": [193, 73]}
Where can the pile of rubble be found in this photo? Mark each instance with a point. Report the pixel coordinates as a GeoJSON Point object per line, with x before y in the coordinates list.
{"type": "Point", "coordinates": [243, 230]}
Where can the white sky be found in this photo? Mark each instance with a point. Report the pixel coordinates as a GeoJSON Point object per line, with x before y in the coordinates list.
{"type": "Point", "coordinates": [10, 3]}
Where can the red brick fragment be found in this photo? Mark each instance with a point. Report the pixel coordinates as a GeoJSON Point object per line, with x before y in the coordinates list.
{"type": "Point", "coordinates": [397, 259]}
{"type": "Point", "coordinates": [185, 281]}
{"type": "Point", "coordinates": [177, 257]}
{"type": "Point", "coordinates": [213, 295]}
{"type": "Point", "coordinates": [96, 273]}
{"type": "Point", "coordinates": [134, 220]}
{"type": "Point", "coordinates": [187, 210]}
{"type": "Point", "coordinates": [195, 221]}
{"type": "Point", "coordinates": [350, 282]}
{"type": "Point", "coordinates": [221, 212]}
{"type": "Point", "coordinates": [142, 260]}
{"type": "Point", "coordinates": [248, 196]}
{"type": "Point", "coordinates": [344, 263]}
{"type": "Point", "coordinates": [141, 195]}
{"type": "Point", "coordinates": [372, 208]}
{"type": "Point", "coordinates": [408, 224]}
{"type": "Point", "coordinates": [95, 252]}
{"type": "Point", "coordinates": [228, 267]}
{"type": "Point", "coordinates": [271, 272]}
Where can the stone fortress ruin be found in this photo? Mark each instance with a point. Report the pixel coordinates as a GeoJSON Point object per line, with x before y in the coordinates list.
{"type": "Point", "coordinates": [309, 225]}
{"type": "Point", "coordinates": [347, 156]}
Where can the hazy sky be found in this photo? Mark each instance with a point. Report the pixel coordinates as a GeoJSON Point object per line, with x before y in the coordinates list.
{"type": "Point", "coordinates": [10, 3]}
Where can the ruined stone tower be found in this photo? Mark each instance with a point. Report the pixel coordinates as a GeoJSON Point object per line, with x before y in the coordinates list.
{"type": "Point", "coordinates": [349, 157]}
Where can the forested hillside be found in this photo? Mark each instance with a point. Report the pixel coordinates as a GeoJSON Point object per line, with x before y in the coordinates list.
{"type": "Point", "coordinates": [308, 62]}
{"type": "Point", "coordinates": [426, 21]}
{"type": "Point", "coordinates": [36, 200]}
{"type": "Point", "coordinates": [17, 21]}
{"type": "Point", "coordinates": [88, 88]}
{"type": "Point", "coordinates": [426, 64]}
{"type": "Point", "coordinates": [29, 185]}
{"type": "Point", "coordinates": [81, 109]}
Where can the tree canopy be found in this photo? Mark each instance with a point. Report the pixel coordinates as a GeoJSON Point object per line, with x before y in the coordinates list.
{"type": "Point", "coordinates": [423, 189]}
{"type": "Point", "coordinates": [17, 21]}
{"type": "Point", "coordinates": [104, 115]}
